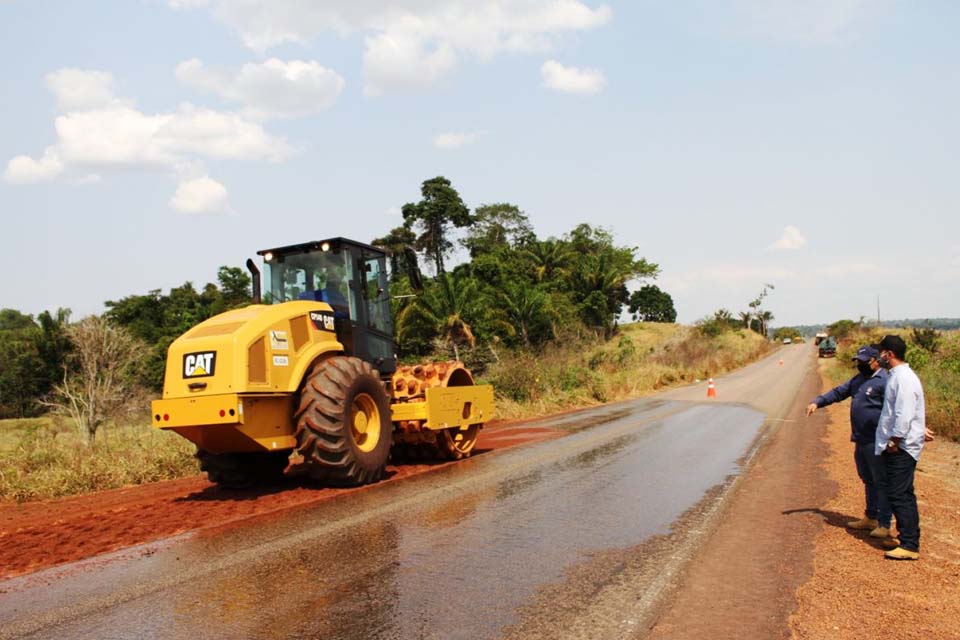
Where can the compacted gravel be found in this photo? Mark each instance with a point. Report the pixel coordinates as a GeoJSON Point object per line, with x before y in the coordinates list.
{"type": "Point", "coordinates": [854, 592]}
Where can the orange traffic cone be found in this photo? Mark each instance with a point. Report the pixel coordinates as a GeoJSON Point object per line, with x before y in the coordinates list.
{"type": "Point", "coordinates": [711, 389]}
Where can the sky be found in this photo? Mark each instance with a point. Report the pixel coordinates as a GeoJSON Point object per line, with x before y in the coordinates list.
{"type": "Point", "coordinates": [809, 144]}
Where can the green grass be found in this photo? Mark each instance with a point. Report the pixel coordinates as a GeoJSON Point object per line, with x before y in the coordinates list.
{"type": "Point", "coordinates": [44, 458]}
{"type": "Point", "coordinates": [642, 358]}
{"type": "Point", "coordinates": [939, 372]}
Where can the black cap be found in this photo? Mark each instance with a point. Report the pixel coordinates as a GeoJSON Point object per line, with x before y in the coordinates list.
{"type": "Point", "coordinates": [895, 344]}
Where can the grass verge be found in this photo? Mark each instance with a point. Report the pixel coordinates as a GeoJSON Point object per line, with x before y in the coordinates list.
{"type": "Point", "coordinates": [642, 358]}
{"type": "Point", "coordinates": [41, 458]}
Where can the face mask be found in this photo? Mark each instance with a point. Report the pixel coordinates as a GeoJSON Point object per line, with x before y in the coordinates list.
{"type": "Point", "coordinates": [864, 368]}
{"type": "Point", "coordinates": [884, 362]}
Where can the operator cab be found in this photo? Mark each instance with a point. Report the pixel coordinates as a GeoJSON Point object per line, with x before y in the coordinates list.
{"type": "Point", "coordinates": [349, 276]}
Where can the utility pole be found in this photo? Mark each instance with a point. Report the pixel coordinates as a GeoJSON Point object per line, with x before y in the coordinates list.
{"type": "Point", "coordinates": [878, 311]}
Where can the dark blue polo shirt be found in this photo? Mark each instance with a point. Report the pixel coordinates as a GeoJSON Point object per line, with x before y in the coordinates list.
{"type": "Point", "coordinates": [867, 394]}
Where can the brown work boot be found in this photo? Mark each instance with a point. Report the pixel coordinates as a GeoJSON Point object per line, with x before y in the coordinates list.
{"type": "Point", "coordinates": [890, 543]}
{"type": "Point", "coordinates": [863, 524]}
{"type": "Point", "coordinates": [902, 554]}
{"type": "Point", "coordinates": [880, 532]}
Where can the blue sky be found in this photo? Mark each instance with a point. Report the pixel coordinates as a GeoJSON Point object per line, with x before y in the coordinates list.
{"type": "Point", "coordinates": [809, 144]}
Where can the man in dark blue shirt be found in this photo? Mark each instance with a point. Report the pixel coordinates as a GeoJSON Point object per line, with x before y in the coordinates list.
{"type": "Point", "coordinates": [866, 388]}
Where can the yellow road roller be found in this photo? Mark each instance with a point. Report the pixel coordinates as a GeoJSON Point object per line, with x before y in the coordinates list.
{"type": "Point", "coordinates": [310, 368]}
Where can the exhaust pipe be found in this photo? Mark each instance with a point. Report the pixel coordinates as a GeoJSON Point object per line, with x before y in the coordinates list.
{"type": "Point", "coordinates": [255, 275]}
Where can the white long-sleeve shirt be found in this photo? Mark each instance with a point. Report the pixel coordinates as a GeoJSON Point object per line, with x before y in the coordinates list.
{"type": "Point", "coordinates": [904, 413]}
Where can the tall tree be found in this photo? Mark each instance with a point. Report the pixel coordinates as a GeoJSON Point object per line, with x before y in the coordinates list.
{"type": "Point", "coordinates": [600, 276]}
{"type": "Point", "coordinates": [756, 309]}
{"type": "Point", "coordinates": [440, 209]}
{"type": "Point", "coordinates": [235, 287]}
{"type": "Point", "coordinates": [400, 242]}
{"type": "Point", "coordinates": [497, 226]}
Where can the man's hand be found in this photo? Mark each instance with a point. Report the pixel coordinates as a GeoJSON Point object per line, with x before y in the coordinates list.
{"type": "Point", "coordinates": [811, 408]}
{"type": "Point", "coordinates": [894, 444]}
{"type": "Point", "coordinates": [928, 435]}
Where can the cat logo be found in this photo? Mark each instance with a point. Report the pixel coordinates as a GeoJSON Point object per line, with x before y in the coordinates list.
{"type": "Point", "coordinates": [323, 321]}
{"type": "Point", "coordinates": [199, 365]}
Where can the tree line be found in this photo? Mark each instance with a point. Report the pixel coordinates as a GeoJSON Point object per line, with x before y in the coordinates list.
{"type": "Point", "coordinates": [515, 288]}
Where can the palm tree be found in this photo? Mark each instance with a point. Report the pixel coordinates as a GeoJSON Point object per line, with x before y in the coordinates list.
{"type": "Point", "coordinates": [550, 258]}
{"type": "Point", "coordinates": [765, 318]}
{"type": "Point", "coordinates": [525, 307]}
{"type": "Point", "coordinates": [449, 307]}
{"type": "Point", "coordinates": [601, 281]}
{"type": "Point", "coordinates": [746, 316]}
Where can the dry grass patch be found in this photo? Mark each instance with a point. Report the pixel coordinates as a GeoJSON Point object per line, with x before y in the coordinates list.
{"type": "Point", "coordinates": [642, 358]}
{"type": "Point", "coordinates": [45, 458]}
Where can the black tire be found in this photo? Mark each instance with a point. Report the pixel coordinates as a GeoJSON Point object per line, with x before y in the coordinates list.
{"type": "Point", "coordinates": [243, 470]}
{"type": "Point", "coordinates": [339, 444]}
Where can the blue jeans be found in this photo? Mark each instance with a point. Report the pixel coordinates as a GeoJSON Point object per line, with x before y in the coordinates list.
{"type": "Point", "coordinates": [898, 474]}
{"type": "Point", "coordinates": [870, 469]}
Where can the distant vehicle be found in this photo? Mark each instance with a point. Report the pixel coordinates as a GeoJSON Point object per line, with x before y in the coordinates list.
{"type": "Point", "coordinates": [797, 339]}
{"type": "Point", "coordinates": [828, 347]}
{"type": "Point", "coordinates": [787, 341]}
{"type": "Point", "coordinates": [820, 337]}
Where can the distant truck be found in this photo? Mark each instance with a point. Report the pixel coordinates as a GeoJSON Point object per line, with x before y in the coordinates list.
{"type": "Point", "coordinates": [820, 337]}
{"type": "Point", "coordinates": [828, 347]}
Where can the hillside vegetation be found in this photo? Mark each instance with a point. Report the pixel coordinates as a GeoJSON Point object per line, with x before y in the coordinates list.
{"type": "Point", "coordinates": [933, 354]}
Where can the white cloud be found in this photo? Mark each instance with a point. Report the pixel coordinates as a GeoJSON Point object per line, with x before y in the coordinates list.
{"type": "Point", "coordinates": [791, 239]}
{"type": "Point", "coordinates": [409, 43]}
{"type": "Point", "coordinates": [272, 89]}
{"type": "Point", "coordinates": [24, 169]}
{"type": "Point", "coordinates": [454, 140]}
{"type": "Point", "coordinates": [571, 79]}
{"type": "Point", "coordinates": [200, 195]}
{"type": "Point", "coordinates": [807, 22]}
{"type": "Point", "coordinates": [399, 60]}
{"type": "Point", "coordinates": [124, 136]}
{"type": "Point", "coordinates": [78, 89]}
{"type": "Point", "coordinates": [100, 130]}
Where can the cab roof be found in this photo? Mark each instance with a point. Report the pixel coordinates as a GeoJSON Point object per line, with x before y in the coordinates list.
{"type": "Point", "coordinates": [335, 244]}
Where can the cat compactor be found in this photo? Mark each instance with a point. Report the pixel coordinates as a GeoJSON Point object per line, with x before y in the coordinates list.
{"type": "Point", "coordinates": [311, 369]}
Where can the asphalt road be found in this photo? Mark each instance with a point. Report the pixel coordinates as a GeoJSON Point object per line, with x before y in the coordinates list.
{"type": "Point", "coordinates": [571, 537]}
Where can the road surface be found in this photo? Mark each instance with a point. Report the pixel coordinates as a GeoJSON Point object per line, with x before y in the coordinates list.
{"type": "Point", "coordinates": [576, 536]}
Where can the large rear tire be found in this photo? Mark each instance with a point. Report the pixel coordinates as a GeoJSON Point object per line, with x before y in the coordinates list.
{"type": "Point", "coordinates": [344, 430]}
{"type": "Point", "coordinates": [243, 470]}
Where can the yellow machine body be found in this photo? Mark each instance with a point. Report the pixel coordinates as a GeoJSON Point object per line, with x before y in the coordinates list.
{"type": "Point", "coordinates": [231, 381]}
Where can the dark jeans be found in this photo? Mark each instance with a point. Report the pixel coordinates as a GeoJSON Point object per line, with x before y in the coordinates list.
{"type": "Point", "coordinates": [898, 471]}
{"type": "Point", "coordinates": [870, 470]}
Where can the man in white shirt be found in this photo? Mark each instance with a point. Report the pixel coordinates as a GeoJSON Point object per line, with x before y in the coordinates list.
{"type": "Point", "coordinates": [900, 437]}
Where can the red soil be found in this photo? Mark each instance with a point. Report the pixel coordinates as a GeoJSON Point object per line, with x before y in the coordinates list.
{"type": "Point", "coordinates": [38, 535]}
